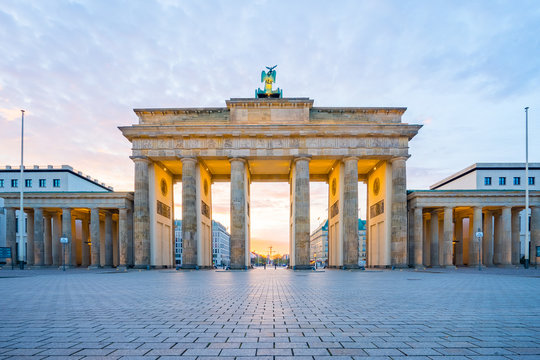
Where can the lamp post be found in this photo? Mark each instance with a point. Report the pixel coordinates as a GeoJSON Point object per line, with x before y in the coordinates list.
{"type": "Point", "coordinates": [526, 264]}
{"type": "Point", "coordinates": [20, 248]}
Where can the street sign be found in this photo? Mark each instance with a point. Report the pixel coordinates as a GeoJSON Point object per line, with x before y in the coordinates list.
{"type": "Point", "coordinates": [479, 234]}
{"type": "Point", "coordinates": [5, 252]}
{"type": "Point", "coordinates": [64, 240]}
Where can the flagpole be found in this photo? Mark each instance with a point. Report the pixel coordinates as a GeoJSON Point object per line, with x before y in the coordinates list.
{"type": "Point", "coordinates": [20, 248]}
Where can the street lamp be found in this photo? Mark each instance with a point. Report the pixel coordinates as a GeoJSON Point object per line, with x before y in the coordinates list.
{"type": "Point", "coordinates": [20, 248]}
{"type": "Point", "coordinates": [526, 264]}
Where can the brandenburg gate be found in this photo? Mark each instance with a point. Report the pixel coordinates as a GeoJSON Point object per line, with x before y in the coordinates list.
{"type": "Point", "coordinates": [270, 139]}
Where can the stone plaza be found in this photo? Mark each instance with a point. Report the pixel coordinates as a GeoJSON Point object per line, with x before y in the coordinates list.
{"type": "Point", "coordinates": [270, 314]}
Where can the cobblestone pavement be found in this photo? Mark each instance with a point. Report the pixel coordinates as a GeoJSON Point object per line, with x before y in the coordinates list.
{"type": "Point", "coordinates": [270, 314]}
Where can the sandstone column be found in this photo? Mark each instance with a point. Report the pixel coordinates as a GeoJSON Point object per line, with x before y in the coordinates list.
{"type": "Point", "coordinates": [535, 233]}
{"type": "Point", "coordinates": [74, 244]}
{"type": "Point", "coordinates": [39, 246]}
{"type": "Point", "coordinates": [426, 238]}
{"type": "Point", "coordinates": [95, 237]}
{"type": "Point", "coordinates": [399, 212]}
{"type": "Point", "coordinates": [301, 214]}
{"type": "Point", "coordinates": [434, 232]}
{"type": "Point", "coordinates": [141, 213]}
{"type": "Point", "coordinates": [123, 237]}
{"type": "Point", "coordinates": [66, 232]}
{"type": "Point", "coordinates": [487, 249]}
{"type": "Point", "coordinates": [459, 240]}
{"type": "Point", "coordinates": [189, 213]}
{"type": "Point", "coordinates": [516, 241]}
{"type": "Point", "coordinates": [30, 238]}
{"type": "Point", "coordinates": [85, 253]}
{"type": "Point", "coordinates": [506, 243]}
{"type": "Point", "coordinates": [48, 240]}
{"type": "Point", "coordinates": [473, 241]}
{"type": "Point", "coordinates": [108, 239]}
{"type": "Point", "coordinates": [350, 212]}
{"type": "Point", "coordinates": [447, 259]}
{"type": "Point", "coordinates": [57, 233]}
{"type": "Point", "coordinates": [239, 234]}
{"type": "Point", "coordinates": [497, 239]}
{"type": "Point", "coordinates": [11, 232]}
{"type": "Point", "coordinates": [418, 237]}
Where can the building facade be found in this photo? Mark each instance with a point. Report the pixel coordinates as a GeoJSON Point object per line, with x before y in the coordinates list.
{"type": "Point", "coordinates": [319, 244]}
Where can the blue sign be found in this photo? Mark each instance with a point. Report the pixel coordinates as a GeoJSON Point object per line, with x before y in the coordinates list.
{"type": "Point", "coordinates": [5, 252]}
{"type": "Point", "coordinates": [538, 251]}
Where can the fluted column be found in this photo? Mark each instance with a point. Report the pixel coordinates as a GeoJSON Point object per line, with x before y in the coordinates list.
{"type": "Point", "coordinates": [418, 237]}
{"type": "Point", "coordinates": [123, 237]}
{"type": "Point", "coordinates": [473, 241]}
{"type": "Point", "coordinates": [66, 232]}
{"type": "Point", "coordinates": [239, 234]}
{"type": "Point", "coordinates": [73, 244]}
{"type": "Point", "coordinates": [85, 253]}
{"type": "Point", "coordinates": [535, 233]}
{"type": "Point", "coordinates": [11, 232]}
{"type": "Point", "coordinates": [189, 213]}
{"type": "Point", "coordinates": [95, 237]}
{"type": "Point", "coordinates": [426, 249]}
{"type": "Point", "coordinates": [506, 243]}
{"type": "Point", "coordinates": [487, 241]}
{"type": "Point", "coordinates": [57, 234]}
{"type": "Point", "coordinates": [399, 212]}
{"type": "Point", "coordinates": [447, 258]}
{"type": "Point", "coordinates": [497, 239]}
{"type": "Point", "coordinates": [141, 213]}
{"type": "Point", "coordinates": [516, 241]}
{"type": "Point", "coordinates": [350, 212]}
{"type": "Point", "coordinates": [30, 238]}
{"type": "Point", "coordinates": [47, 229]}
{"type": "Point", "coordinates": [108, 239]}
{"type": "Point", "coordinates": [301, 214]}
{"type": "Point", "coordinates": [434, 232]}
{"type": "Point", "coordinates": [39, 245]}
{"type": "Point", "coordinates": [459, 240]}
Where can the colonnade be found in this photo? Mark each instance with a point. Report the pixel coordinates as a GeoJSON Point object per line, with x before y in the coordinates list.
{"type": "Point", "coordinates": [446, 236]}
{"type": "Point", "coordinates": [96, 237]}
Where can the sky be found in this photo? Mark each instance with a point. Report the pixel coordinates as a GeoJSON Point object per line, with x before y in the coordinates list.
{"type": "Point", "coordinates": [464, 69]}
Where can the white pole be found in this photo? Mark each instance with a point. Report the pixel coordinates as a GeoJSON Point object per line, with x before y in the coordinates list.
{"type": "Point", "coordinates": [20, 249]}
{"type": "Point", "coordinates": [526, 187]}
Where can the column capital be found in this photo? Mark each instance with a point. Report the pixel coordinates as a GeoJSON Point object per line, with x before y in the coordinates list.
{"type": "Point", "coordinates": [231, 159]}
{"type": "Point", "coordinates": [399, 158]}
{"type": "Point", "coordinates": [301, 158]}
{"type": "Point", "coordinates": [350, 158]}
{"type": "Point", "coordinates": [188, 159]}
{"type": "Point", "coordinates": [140, 158]}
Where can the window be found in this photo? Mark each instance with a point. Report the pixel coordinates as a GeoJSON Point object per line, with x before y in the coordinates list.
{"type": "Point", "coordinates": [14, 183]}
{"type": "Point", "coordinates": [56, 182]}
{"type": "Point", "coordinates": [502, 181]}
{"type": "Point", "coordinates": [28, 183]}
{"type": "Point", "coordinates": [531, 180]}
{"type": "Point", "coordinates": [42, 183]}
{"type": "Point", "coordinates": [1, 183]}
{"type": "Point", "coordinates": [517, 180]}
{"type": "Point", "coordinates": [487, 181]}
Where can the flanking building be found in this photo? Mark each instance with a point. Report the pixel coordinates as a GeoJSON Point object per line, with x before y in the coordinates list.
{"type": "Point", "coordinates": [486, 198]}
{"type": "Point", "coordinates": [63, 202]}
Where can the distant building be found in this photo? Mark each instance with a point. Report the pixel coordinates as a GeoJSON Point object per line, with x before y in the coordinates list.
{"type": "Point", "coordinates": [220, 243]}
{"type": "Point", "coordinates": [319, 243]}
{"type": "Point", "coordinates": [495, 176]}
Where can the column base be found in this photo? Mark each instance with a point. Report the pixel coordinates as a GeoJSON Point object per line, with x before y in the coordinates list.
{"type": "Point", "coordinates": [506, 266]}
{"type": "Point", "coordinates": [93, 267]}
{"type": "Point", "coordinates": [419, 267]}
{"type": "Point", "coordinates": [449, 267]}
{"type": "Point", "coordinates": [187, 267]}
{"type": "Point", "coordinates": [351, 267]}
{"type": "Point", "coordinates": [302, 267]}
{"type": "Point", "coordinates": [236, 268]}
{"type": "Point", "coordinates": [122, 268]}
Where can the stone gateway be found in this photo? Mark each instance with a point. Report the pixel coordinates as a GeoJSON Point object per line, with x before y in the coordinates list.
{"type": "Point", "coordinates": [270, 139]}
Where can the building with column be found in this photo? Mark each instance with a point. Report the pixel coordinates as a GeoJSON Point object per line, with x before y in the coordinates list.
{"type": "Point", "coordinates": [61, 202]}
{"type": "Point", "coordinates": [274, 139]}
{"type": "Point", "coordinates": [319, 243]}
{"type": "Point", "coordinates": [484, 197]}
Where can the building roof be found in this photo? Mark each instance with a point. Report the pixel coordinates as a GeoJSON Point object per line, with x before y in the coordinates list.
{"type": "Point", "coordinates": [62, 168]}
{"type": "Point", "coordinates": [484, 166]}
